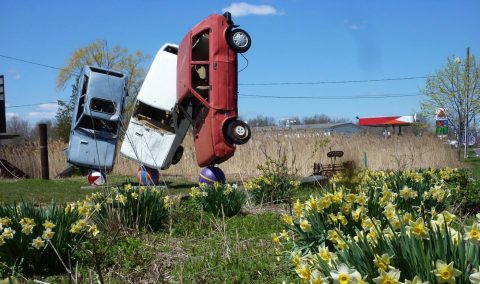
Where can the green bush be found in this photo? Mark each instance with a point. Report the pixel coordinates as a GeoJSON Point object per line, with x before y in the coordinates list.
{"type": "Point", "coordinates": [390, 228]}
{"type": "Point", "coordinates": [31, 233]}
{"type": "Point", "coordinates": [277, 181]}
{"type": "Point", "coordinates": [219, 199]}
{"type": "Point", "coordinates": [139, 208]}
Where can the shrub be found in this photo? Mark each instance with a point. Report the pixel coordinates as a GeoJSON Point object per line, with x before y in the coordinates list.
{"type": "Point", "coordinates": [276, 182]}
{"type": "Point", "coordinates": [219, 199]}
{"type": "Point", "coordinates": [393, 224]}
{"type": "Point", "coordinates": [30, 234]}
{"type": "Point", "coordinates": [139, 208]}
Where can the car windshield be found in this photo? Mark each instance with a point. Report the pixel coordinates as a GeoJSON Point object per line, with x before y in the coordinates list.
{"type": "Point", "coordinates": [91, 123]}
{"type": "Point", "coordinates": [155, 118]}
{"type": "Point", "coordinates": [101, 105]}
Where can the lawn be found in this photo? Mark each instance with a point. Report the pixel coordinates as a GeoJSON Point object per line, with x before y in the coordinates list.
{"type": "Point", "coordinates": [67, 190]}
{"type": "Point", "coordinates": [196, 248]}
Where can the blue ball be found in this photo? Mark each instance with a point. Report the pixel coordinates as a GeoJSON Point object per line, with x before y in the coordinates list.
{"type": "Point", "coordinates": [211, 174]}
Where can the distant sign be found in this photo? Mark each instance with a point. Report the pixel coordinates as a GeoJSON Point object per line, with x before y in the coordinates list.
{"type": "Point", "coordinates": [441, 122]}
{"type": "Point", "coordinates": [441, 114]}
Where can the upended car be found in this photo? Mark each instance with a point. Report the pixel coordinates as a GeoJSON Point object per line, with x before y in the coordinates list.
{"type": "Point", "coordinates": [207, 82]}
{"type": "Point", "coordinates": [96, 118]}
{"type": "Point", "coordinates": [155, 131]}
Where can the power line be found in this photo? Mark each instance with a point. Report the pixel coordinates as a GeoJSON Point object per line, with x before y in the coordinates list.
{"type": "Point", "coordinates": [33, 63]}
{"type": "Point", "coordinates": [379, 96]}
{"type": "Point", "coordinates": [256, 84]}
{"type": "Point", "coordinates": [19, 106]}
{"type": "Point", "coordinates": [336, 82]}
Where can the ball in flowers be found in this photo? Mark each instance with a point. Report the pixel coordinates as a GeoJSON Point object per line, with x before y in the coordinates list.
{"type": "Point", "coordinates": [148, 176]}
{"type": "Point", "coordinates": [96, 178]}
{"type": "Point", "coordinates": [209, 175]}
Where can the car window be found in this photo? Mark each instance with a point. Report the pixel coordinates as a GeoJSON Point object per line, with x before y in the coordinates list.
{"type": "Point", "coordinates": [200, 65]}
{"type": "Point", "coordinates": [83, 94]}
{"type": "Point", "coordinates": [101, 105]}
{"type": "Point", "coordinates": [91, 123]}
{"type": "Point", "coordinates": [153, 117]}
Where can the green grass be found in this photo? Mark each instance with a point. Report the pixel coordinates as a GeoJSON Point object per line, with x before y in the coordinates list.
{"type": "Point", "coordinates": [63, 191]}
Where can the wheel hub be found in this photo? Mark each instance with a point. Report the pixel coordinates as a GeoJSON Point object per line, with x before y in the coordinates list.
{"type": "Point", "coordinates": [240, 39]}
{"type": "Point", "coordinates": [240, 131]}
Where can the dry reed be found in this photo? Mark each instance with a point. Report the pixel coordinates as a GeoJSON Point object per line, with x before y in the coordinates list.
{"type": "Point", "coordinates": [398, 152]}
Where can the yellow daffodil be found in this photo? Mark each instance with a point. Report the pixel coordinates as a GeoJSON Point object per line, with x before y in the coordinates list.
{"type": "Point", "coordinates": [8, 233]}
{"type": "Point", "coordinates": [2, 241]}
{"type": "Point", "coordinates": [48, 234]}
{"type": "Point", "coordinates": [418, 229]}
{"type": "Point", "coordinates": [27, 221]}
{"type": "Point", "coordinates": [38, 243]}
{"type": "Point", "coordinates": [416, 280]}
{"type": "Point", "coordinates": [48, 225]}
{"type": "Point", "coordinates": [296, 258]}
{"type": "Point", "coordinates": [93, 230]}
{"type": "Point", "coordinates": [472, 233]}
{"type": "Point", "coordinates": [305, 225]}
{"type": "Point", "coordinates": [275, 238]}
{"type": "Point", "coordinates": [382, 262]}
{"type": "Point", "coordinates": [337, 197]}
{"type": "Point", "coordinates": [325, 254]}
{"type": "Point", "coordinates": [303, 271]}
{"type": "Point", "coordinates": [5, 221]}
{"type": "Point", "coordinates": [346, 208]}
{"type": "Point", "coordinates": [120, 198]}
{"type": "Point", "coordinates": [284, 235]}
{"type": "Point", "coordinates": [333, 236]}
{"type": "Point", "coordinates": [407, 217]}
{"type": "Point", "coordinates": [361, 199]}
{"type": "Point", "coordinates": [475, 277]}
{"type": "Point", "coordinates": [344, 275]}
{"type": "Point", "coordinates": [390, 277]}
{"type": "Point", "coordinates": [298, 209]}
{"type": "Point", "coordinates": [445, 273]}
{"type": "Point", "coordinates": [287, 219]}
{"type": "Point", "coordinates": [316, 277]}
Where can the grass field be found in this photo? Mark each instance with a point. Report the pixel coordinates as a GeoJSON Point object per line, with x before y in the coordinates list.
{"type": "Point", "coordinates": [305, 148]}
{"type": "Point", "coordinates": [67, 190]}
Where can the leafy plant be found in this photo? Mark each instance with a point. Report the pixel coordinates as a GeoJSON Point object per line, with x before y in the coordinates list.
{"type": "Point", "coordinates": [393, 226]}
{"type": "Point", "coordinates": [276, 182]}
{"type": "Point", "coordinates": [140, 208]}
{"type": "Point", "coordinates": [219, 199]}
{"type": "Point", "coordinates": [36, 240]}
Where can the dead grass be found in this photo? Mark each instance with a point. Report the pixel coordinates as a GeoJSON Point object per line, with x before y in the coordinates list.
{"type": "Point", "coordinates": [398, 152]}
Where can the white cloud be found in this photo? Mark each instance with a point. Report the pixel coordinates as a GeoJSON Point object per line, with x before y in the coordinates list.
{"type": "Point", "coordinates": [11, 114]}
{"type": "Point", "coordinates": [48, 107]}
{"type": "Point", "coordinates": [244, 9]}
{"type": "Point", "coordinates": [41, 114]}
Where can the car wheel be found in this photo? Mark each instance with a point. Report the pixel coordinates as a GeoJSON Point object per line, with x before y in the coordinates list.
{"type": "Point", "coordinates": [239, 40]}
{"type": "Point", "coordinates": [238, 132]}
{"type": "Point", "coordinates": [178, 155]}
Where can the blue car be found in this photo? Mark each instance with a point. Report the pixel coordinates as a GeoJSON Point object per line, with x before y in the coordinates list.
{"type": "Point", "coordinates": [96, 118]}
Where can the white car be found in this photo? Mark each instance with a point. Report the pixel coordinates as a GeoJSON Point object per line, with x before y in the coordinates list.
{"type": "Point", "coordinates": [155, 131]}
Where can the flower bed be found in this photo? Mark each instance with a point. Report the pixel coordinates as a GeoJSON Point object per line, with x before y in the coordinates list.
{"type": "Point", "coordinates": [391, 227]}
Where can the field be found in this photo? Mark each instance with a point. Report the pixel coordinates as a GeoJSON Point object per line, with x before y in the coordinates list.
{"type": "Point", "coordinates": [259, 244]}
{"type": "Point", "coordinates": [305, 148]}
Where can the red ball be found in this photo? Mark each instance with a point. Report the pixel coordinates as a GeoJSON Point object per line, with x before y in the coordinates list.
{"type": "Point", "coordinates": [96, 178]}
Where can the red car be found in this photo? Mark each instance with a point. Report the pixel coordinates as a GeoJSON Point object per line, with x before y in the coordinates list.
{"type": "Point", "coordinates": [207, 81]}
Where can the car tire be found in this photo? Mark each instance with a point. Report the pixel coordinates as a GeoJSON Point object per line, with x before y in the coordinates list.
{"type": "Point", "coordinates": [239, 40]}
{"type": "Point", "coordinates": [238, 132]}
{"type": "Point", "coordinates": [178, 155]}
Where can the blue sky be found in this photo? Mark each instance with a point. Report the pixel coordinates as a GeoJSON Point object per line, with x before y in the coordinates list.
{"type": "Point", "coordinates": [292, 41]}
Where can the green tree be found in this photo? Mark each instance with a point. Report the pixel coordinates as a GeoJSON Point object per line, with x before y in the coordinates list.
{"type": "Point", "coordinates": [98, 54]}
{"type": "Point", "coordinates": [456, 87]}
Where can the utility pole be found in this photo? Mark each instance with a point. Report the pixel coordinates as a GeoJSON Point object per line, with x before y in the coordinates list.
{"type": "Point", "coordinates": [467, 96]}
